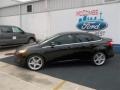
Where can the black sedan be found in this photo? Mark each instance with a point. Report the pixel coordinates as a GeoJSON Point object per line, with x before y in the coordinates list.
{"type": "Point", "coordinates": [66, 46]}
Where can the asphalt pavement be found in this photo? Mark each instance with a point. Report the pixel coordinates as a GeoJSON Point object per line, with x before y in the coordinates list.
{"type": "Point", "coordinates": [106, 77]}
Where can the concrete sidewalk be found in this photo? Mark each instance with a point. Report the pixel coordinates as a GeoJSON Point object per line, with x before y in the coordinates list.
{"type": "Point", "coordinates": [16, 78]}
{"type": "Point", "coordinates": [9, 82]}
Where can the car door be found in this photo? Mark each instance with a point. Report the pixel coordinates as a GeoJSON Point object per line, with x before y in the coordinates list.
{"type": "Point", "coordinates": [6, 35]}
{"type": "Point", "coordinates": [85, 46]}
{"type": "Point", "coordinates": [62, 48]}
{"type": "Point", "coordinates": [19, 35]}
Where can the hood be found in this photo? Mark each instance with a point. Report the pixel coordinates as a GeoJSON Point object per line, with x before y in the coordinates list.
{"type": "Point", "coordinates": [28, 46]}
{"type": "Point", "coordinates": [29, 33]}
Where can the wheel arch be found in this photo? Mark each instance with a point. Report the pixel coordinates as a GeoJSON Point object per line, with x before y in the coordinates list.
{"type": "Point", "coordinates": [32, 38]}
{"type": "Point", "coordinates": [102, 51]}
{"type": "Point", "coordinates": [36, 54]}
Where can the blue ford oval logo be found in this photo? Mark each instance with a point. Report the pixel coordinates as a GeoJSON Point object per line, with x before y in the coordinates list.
{"type": "Point", "coordinates": [91, 23]}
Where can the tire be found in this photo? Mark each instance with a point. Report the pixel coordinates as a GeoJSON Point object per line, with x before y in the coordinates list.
{"type": "Point", "coordinates": [99, 59]}
{"type": "Point", "coordinates": [35, 62]}
{"type": "Point", "coordinates": [31, 40]}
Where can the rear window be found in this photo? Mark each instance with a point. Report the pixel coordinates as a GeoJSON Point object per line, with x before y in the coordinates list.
{"type": "Point", "coordinates": [95, 38]}
{"type": "Point", "coordinates": [86, 37]}
{"type": "Point", "coordinates": [83, 38]}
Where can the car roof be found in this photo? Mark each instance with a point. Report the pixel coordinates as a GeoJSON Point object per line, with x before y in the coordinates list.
{"type": "Point", "coordinates": [64, 33]}
{"type": "Point", "coordinates": [7, 26]}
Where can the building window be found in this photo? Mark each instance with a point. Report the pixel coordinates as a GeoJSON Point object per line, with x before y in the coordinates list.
{"type": "Point", "coordinates": [29, 8]}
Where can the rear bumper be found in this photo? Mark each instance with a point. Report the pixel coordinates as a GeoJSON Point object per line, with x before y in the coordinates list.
{"type": "Point", "coordinates": [110, 53]}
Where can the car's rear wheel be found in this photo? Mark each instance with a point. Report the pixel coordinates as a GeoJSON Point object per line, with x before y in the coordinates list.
{"type": "Point", "coordinates": [35, 62]}
{"type": "Point", "coordinates": [99, 58]}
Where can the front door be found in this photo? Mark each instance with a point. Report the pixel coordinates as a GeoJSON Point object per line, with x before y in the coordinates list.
{"type": "Point", "coordinates": [19, 35]}
{"type": "Point", "coordinates": [62, 49]}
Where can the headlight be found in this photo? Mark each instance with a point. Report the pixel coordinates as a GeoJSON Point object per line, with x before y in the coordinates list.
{"type": "Point", "coordinates": [22, 51]}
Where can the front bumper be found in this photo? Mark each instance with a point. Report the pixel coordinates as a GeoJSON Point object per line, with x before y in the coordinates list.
{"type": "Point", "coordinates": [20, 62]}
{"type": "Point", "coordinates": [20, 59]}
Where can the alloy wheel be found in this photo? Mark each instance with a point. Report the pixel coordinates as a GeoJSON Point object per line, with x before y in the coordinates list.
{"type": "Point", "coordinates": [35, 63]}
{"type": "Point", "coordinates": [99, 58]}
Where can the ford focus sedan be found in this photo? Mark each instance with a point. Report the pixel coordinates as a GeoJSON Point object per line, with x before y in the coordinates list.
{"type": "Point", "coordinates": [66, 46]}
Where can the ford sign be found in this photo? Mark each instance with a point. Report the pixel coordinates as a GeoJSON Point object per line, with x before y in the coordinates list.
{"type": "Point", "coordinates": [92, 25]}
{"type": "Point", "coordinates": [87, 23]}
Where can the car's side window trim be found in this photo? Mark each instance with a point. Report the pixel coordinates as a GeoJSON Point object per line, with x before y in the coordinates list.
{"type": "Point", "coordinates": [73, 43]}
{"type": "Point", "coordinates": [49, 40]}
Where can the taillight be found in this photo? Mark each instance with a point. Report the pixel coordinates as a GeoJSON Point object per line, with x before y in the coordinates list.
{"type": "Point", "coordinates": [109, 43]}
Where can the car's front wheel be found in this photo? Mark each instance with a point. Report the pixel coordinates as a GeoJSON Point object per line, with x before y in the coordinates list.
{"type": "Point", "coordinates": [35, 62]}
{"type": "Point", "coordinates": [99, 58]}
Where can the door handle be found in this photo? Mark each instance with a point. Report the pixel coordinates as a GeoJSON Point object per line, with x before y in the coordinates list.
{"type": "Point", "coordinates": [14, 37]}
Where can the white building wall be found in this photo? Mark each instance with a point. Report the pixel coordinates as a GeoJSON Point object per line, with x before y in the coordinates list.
{"type": "Point", "coordinates": [66, 20]}
{"type": "Point", "coordinates": [36, 23]}
{"type": "Point", "coordinates": [11, 20]}
{"type": "Point", "coordinates": [47, 23]}
{"type": "Point", "coordinates": [4, 3]}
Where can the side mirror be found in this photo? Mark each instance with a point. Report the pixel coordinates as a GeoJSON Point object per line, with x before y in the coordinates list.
{"type": "Point", "coordinates": [52, 44]}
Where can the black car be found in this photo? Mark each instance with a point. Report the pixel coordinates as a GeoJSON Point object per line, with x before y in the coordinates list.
{"type": "Point", "coordinates": [66, 46]}
{"type": "Point", "coordinates": [12, 35]}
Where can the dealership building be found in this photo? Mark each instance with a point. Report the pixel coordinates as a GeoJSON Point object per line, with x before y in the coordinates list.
{"type": "Point", "coordinates": [47, 17]}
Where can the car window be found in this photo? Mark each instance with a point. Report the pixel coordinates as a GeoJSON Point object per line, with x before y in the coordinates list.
{"type": "Point", "coordinates": [83, 38]}
{"type": "Point", "coordinates": [94, 37]}
{"type": "Point", "coordinates": [65, 39]}
{"type": "Point", "coordinates": [6, 30]}
{"type": "Point", "coordinates": [17, 30]}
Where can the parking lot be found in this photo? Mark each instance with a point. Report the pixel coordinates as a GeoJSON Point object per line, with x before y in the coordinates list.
{"type": "Point", "coordinates": [59, 45]}
{"type": "Point", "coordinates": [101, 78]}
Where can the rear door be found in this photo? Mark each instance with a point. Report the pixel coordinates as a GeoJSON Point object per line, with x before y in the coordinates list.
{"type": "Point", "coordinates": [6, 35]}
{"type": "Point", "coordinates": [85, 46]}
{"type": "Point", "coordinates": [19, 35]}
